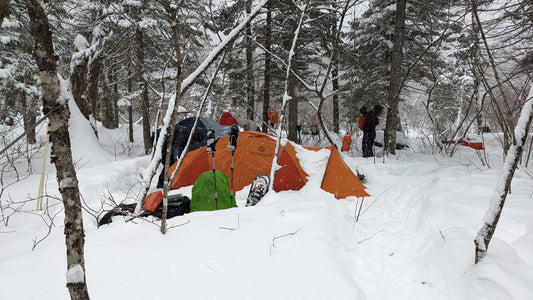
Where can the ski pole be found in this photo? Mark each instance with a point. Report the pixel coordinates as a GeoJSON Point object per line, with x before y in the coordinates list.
{"type": "Point", "coordinates": [374, 150]}
{"type": "Point", "coordinates": [384, 146]}
{"type": "Point", "coordinates": [232, 146]}
{"type": "Point", "coordinates": [211, 142]}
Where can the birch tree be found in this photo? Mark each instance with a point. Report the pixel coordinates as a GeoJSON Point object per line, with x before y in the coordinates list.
{"type": "Point", "coordinates": [497, 201]}
{"type": "Point", "coordinates": [61, 154]}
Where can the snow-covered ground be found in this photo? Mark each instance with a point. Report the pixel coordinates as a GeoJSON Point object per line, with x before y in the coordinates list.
{"type": "Point", "coordinates": [413, 238]}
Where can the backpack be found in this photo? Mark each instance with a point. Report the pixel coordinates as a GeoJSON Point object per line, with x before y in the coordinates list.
{"type": "Point", "coordinates": [203, 192]}
{"type": "Point", "coordinates": [362, 122]}
{"type": "Point", "coordinates": [178, 205]}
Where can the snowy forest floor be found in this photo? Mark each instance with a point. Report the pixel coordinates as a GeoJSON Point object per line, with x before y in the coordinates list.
{"type": "Point", "coordinates": [413, 238]}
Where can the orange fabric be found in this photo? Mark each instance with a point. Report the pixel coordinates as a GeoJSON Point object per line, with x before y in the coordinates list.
{"type": "Point", "coordinates": [273, 116]}
{"type": "Point", "coordinates": [346, 143]}
{"type": "Point", "coordinates": [152, 201]}
{"type": "Point", "coordinates": [361, 122]}
{"type": "Point", "coordinates": [474, 145]}
{"type": "Point", "coordinates": [253, 156]}
{"type": "Point", "coordinates": [340, 180]}
{"type": "Point", "coordinates": [292, 176]}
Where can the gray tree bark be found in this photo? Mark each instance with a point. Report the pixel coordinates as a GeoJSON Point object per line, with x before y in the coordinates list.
{"type": "Point", "coordinates": [250, 90]}
{"type": "Point", "coordinates": [130, 107]}
{"type": "Point", "coordinates": [293, 104]}
{"type": "Point", "coordinates": [335, 84]}
{"type": "Point", "coordinates": [29, 118]}
{"type": "Point", "coordinates": [268, 46]}
{"type": "Point", "coordinates": [395, 79]}
{"type": "Point", "coordinates": [145, 102]}
{"type": "Point", "coordinates": [4, 10]}
{"type": "Point", "coordinates": [78, 86]}
{"type": "Point", "coordinates": [61, 154]}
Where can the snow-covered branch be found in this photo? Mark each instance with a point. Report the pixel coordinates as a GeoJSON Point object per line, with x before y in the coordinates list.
{"type": "Point", "coordinates": [503, 185]}
{"type": "Point", "coordinates": [286, 97]}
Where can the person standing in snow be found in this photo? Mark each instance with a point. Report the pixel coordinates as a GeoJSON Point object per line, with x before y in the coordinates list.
{"type": "Point", "coordinates": [369, 128]}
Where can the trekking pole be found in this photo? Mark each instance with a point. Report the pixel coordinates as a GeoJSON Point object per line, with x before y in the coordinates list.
{"type": "Point", "coordinates": [211, 142]}
{"type": "Point", "coordinates": [232, 145]}
{"type": "Point", "coordinates": [374, 150]}
{"type": "Point", "coordinates": [384, 146]}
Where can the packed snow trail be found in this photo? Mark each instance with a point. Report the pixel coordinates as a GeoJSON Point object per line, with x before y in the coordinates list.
{"type": "Point", "coordinates": [393, 232]}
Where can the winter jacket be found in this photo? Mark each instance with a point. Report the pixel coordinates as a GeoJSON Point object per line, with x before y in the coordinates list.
{"type": "Point", "coordinates": [371, 117]}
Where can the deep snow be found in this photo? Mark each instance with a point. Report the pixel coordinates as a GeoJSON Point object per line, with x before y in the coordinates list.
{"type": "Point", "coordinates": [413, 239]}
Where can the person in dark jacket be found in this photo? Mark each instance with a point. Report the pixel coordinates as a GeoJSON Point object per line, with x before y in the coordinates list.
{"type": "Point", "coordinates": [369, 128]}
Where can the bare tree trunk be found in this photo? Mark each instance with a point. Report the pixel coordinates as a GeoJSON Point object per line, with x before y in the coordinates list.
{"type": "Point", "coordinates": [29, 118]}
{"type": "Point", "coordinates": [115, 100]}
{"type": "Point", "coordinates": [145, 103]}
{"type": "Point", "coordinates": [291, 87]}
{"type": "Point", "coordinates": [503, 185]}
{"type": "Point", "coordinates": [4, 10]}
{"type": "Point", "coordinates": [293, 104]}
{"type": "Point", "coordinates": [107, 103]}
{"type": "Point", "coordinates": [320, 92]}
{"type": "Point", "coordinates": [61, 154]}
{"type": "Point", "coordinates": [286, 95]}
{"type": "Point", "coordinates": [250, 90]}
{"type": "Point", "coordinates": [92, 93]}
{"type": "Point", "coordinates": [78, 86]}
{"type": "Point", "coordinates": [169, 136]}
{"type": "Point", "coordinates": [268, 46]}
{"type": "Point", "coordinates": [335, 79]}
{"type": "Point", "coordinates": [395, 79]}
{"type": "Point", "coordinates": [335, 83]}
{"type": "Point", "coordinates": [130, 107]}
{"type": "Point", "coordinates": [506, 126]}
{"type": "Point", "coordinates": [475, 54]}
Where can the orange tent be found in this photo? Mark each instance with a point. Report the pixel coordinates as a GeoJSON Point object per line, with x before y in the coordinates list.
{"type": "Point", "coordinates": [253, 156]}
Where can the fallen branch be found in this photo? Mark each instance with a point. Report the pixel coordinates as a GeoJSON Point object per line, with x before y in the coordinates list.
{"type": "Point", "coordinates": [368, 238]}
{"type": "Point", "coordinates": [280, 236]}
{"type": "Point", "coordinates": [238, 225]}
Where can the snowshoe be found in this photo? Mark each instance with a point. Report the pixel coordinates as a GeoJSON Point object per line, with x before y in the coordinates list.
{"type": "Point", "coordinates": [258, 189]}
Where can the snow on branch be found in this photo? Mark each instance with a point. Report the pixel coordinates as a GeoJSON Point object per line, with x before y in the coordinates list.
{"type": "Point", "coordinates": [187, 82]}
{"type": "Point", "coordinates": [286, 97]}
{"type": "Point", "coordinates": [499, 196]}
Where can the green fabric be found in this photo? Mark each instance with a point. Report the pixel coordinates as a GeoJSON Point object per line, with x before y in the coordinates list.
{"type": "Point", "coordinates": [203, 192]}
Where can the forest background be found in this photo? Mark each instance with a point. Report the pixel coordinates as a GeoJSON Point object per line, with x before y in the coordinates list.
{"type": "Point", "coordinates": [444, 69]}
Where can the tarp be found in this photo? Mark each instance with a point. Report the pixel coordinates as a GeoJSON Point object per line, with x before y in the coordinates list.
{"type": "Point", "coordinates": [477, 145]}
{"type": "Point", "coordinates": [205, 124]}
{"type": "Point", "coordinates": [253, 156]}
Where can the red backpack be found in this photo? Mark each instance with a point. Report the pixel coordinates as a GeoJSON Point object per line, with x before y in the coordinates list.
{"type": "Point", "coordinates": [362, 122]}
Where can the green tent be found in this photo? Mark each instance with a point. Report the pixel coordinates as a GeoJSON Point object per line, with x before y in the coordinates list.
{"type": "Point", "coordinates": [203, 192]}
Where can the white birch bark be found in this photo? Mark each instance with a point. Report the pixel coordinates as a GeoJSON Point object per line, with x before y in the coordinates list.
{"type": "Point", "coordinates": [499, 196]}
